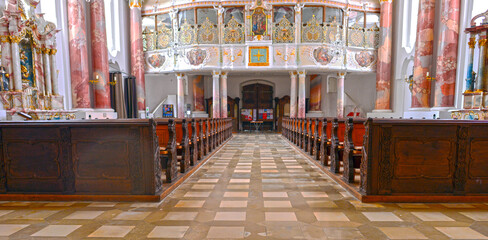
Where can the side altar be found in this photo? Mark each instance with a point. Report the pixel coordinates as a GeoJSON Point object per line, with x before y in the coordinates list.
{"type": "Point", "coordinates": [28, 72]}
{"type": "Point", "coordinates": [475, 97]}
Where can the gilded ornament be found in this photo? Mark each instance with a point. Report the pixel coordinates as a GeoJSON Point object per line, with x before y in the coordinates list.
{"type": "Point", "coordinates": [207, 33]}
{"type": "Point", "coordinates": [164, 38]}
{"type": "Point", "coordinates": [312, 31]}
{"type": "Point", "coordinates": [482, 42]}
{"type": "Point", "coordinates": [5, 39]}
{"type": "Point", "coordinates": [15, 39]}
{"type": "Point", "coordinates": [472, 43]}
{"type": "Point", "coordinates": [233, 32]}
{"type": "Point", "coordinates": [284, 32]}
{"type": "Point", "coordinates": [186, 34]}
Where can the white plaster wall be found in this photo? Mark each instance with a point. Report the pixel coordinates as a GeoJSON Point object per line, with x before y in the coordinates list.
{"type": "Point", "coordinates": [158, 87]}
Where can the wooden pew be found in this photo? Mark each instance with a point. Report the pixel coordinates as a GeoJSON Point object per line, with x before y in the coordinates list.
{"type": "Point", "coordinates": [166, 132]}
{"type": "Point", "coordinates": [324, 143]}
{"type": "Point", "coordinates": [206, 137]}
{"type": "Point", "coordinates": [353, 145]}
{"type": "Point", "coordinates": [317, 139]}
{"type": "Point", "coordinates": [308, 147]}
{"type": "Point", "coordinates": [194, 142]}
{"type": "Point", "coordinates": [337, 144]}
{"type": "Point", "coordinates": [182, 144]}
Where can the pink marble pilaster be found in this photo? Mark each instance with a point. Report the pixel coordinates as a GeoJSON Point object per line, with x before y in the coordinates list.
{"type": "Point", "coordinates": [315, 93]}
{"type": "Point", "coordinates": [47, 71]}
{"type": "Point", "coordinates": [180, 79]}
{"type": "Point", "coordinates": [424, 51]}
{"type": "Point", "coordinates": [383, 73]}
{"type": "Point", "coordinates": [100, 54]}
{"type": "Point", "coordinates": [39, 66]}
{"type": "Point", "coordinates": [198, 94]}
{"type": "Point", "coordinates": [445, 86]}
{"type": "Point", "coordinates": [78, 52]}
{"type": "Point", "coordinates": [301, 94]}
{"type": "Point", "coordinates": [7, 58]}
{"type": "Point", "coordinates": [54, 72]}
{"type": "Point", "coordinates": [341, 95]}
{"type": "Point", "coordinates": [216, 95]}
{"type": "Point", "coordinates": [293, 95]}
{"type": "Point", "coordinates": [16, 68]}
{"type": "Point", "coordinates": [223, 88]}
{"type": "Point", "coordinates": [137, 55]}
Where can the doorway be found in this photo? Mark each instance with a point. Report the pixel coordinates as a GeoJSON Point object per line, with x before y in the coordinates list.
{"type": "Point", "coordinates": [257, 105]}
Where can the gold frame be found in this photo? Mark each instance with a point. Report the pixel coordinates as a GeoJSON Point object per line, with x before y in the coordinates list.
{"type": "Point", "coordinates": [258, 64]}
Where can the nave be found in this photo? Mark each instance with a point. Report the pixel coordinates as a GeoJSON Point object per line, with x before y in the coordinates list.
{"type": "Point", "coordinates": [256, 187]}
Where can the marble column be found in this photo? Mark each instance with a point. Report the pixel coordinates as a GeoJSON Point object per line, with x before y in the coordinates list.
{"type": "Point", "coordinates": [341, 94]}
{"type": "Point", "coordinates": [180, 78]}
{"type": "Point", "coordinates": [481, 76]}
{"type": "Point", "coordinates": [383, 73]}
{"type": "Point", "coordinates": [216, 95]}
{"type": "Point", "coordinates": [100, 54]}
{"type": "Point", "coordinates": [301, 94]}
{"type": "Point", "coordinates": [199, 94]}
{"type": "Point", "coordinates": [16, 70]}
{"type": "Point", "coordinates": [47, 70]}
{"type": "Point", "coordinates": [424, 51]}
{"type": "Point", "coordinates": [54, 72]}
{"type": "Point", "coordinates": [293, 95]}
{"type": "Point", "coordinates": [39, 66]}
{"type": "Point", "coordinates": [78, 54]}
{"type": "Point", "coordinates": [315, 93]}
{"type": "Point", "coordinates": [7, 58]}
{"type": "Point", "coordinates": [223, 88]}
{"type": "Point", "coordinates": [137, 54]}
{"type": "Point", "coordinates": [470, 76]}
{"type": "Point", "coordinates": [445, 86]}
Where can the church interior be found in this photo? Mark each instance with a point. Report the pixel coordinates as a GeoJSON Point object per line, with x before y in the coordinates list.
{"type": "Point", "coordinates": [243, 119]}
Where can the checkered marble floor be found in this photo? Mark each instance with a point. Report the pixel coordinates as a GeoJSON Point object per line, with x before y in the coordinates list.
{"type": "Point", "coordinates": [256, 187]}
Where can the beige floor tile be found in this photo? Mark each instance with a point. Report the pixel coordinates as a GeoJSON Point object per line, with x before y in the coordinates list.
{"type": "Point", "coordinates": [402, 233]}
{"type": "Point", "coordinates": [233, 204]}
{"type": "Point", "coordinates": [111, 231]}
{"type": "Point", "coordinates": [457, 205]}
{"type": "Point", "coordinates": [477, 216]}
{"type": "Point", "coordinates": [343, 233]}
{"type": "Point", "coordinates": [242, 171]}
{"type": "Point", "coordinates": [197, 194]}
{"type": "Point", "coordinates": [168, 232]}
{"type": "Point", "coordinates": [132, 216]}
{"type": "Point", "coordinates": [275, 194]}
{"type": "Point", "coordinates": [56, 231]}
{"type": "Point", "coordinates": [432, 217]}
{"type": "Point", "coordinates": [314, 194]}
{"type": "Point", "coordinates": [236, 194]}
{"type": "Point", "coordinates": [382, 217]}
{"type": "Point", "coordinates": [180, 216]}
{"type": "Point", "coordinates": [230, 216]}
{"type": "Point", "coordinates": [412, 205]}
{"type": "Point", "coordinates": [331, 217]}
{"type": "Point", "coordinates": [102, 204]}
{"type": "Point", "coordinates": [9, 229]}
{"type": "Point", "coordinates": [145, 205]}
{"type": "Point", "coordinates": [277, 204]}
{"type": "Point", "coordinates": [190, 203]}
{"type": "Point", "coordinates": [269, 171]}
{"type": "Point", "coordinates": [59, 204]}
{"type": "Point", "coordinates": [203, 186]}
{"type": "Point", "coordinates": [461, 233]}
{"type": "Point", "coordinates": [208, 180]}
{"type": "Point", "coordinates": [37, 214]}
{"type": "Point", "coordinates": [84, 215]}
{"type": "Point", "coordinates": [226, 232]}
{"type": "Point", "coordinates": [5, 212]}
{"type": "Point", "coordinates": [280, 216]}
{"type": "Point", "coordinates": [238, 180]}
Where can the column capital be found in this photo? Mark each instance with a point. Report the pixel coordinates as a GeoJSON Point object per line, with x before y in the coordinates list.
{"type": "Point", "coordinates": [341, 74]}
{"type": "Point", "coordinates": [302, 72]}
{"type": "Point", "coordinates": [180, 75]}
{"type": "Point", "coordinates": [385, 1]}
{"type": "Point", "coordinates": [216, 73]}
{"type": "Point", "coordinates": [135, 3]}
{"type": "Point", "coordinates": [293, 73]}
{"type": "Point", "coordinates": [223, 74]}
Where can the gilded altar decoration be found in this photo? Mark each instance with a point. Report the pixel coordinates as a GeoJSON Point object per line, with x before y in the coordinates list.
{"type": "Point", "coordinates": [364, 58]}
{"type": "Point", "coordinates": [356, 35]}
{"type": "Point", "coordinates": [232, 57]}
{"type": "Point", "coordinates": [372, 37]}
{"type": "Point", "coordinates": [258, 56]}
{"type": "Point", "coordinates": [156, 60]}
{"type": "Point", "coordinates": [333, 32]}
{"type": "Point", "coordinates": [187, 34]}
{"type": "Point", "coordinates": [259, 22]}
{"type": "Point", "coordinates": [196, 56]}
{"type": "Point", "coordinates": [312, 32]}
{"type": "Point", "coordinates": [322, 55]}
{"type": "Point", "coordinates": [148, 40]}
{"type": "Point", "coordinates": [165, 37]}
{"type": "Point", "coordinates": [284, 32]}
{"type": "Point", "coordinates": [207, 33]}
{"type": "Point", "coordinates": [233, 32]}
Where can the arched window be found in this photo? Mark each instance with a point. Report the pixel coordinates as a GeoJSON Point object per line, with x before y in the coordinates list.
{"type": "Point", "coordinates": [112, 21]}
{"type": "Point", "coordinates": [410, 16]}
